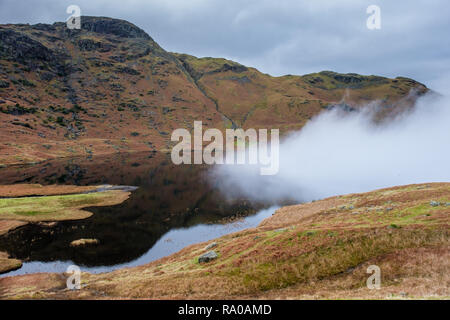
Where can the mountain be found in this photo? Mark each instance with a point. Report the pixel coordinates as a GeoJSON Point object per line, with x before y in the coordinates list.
{"type": "Point", "coordinates": [110, 87]}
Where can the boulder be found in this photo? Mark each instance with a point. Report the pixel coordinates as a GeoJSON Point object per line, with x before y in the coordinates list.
{"type": "Point", "coordinates": [211, 245]}
{"type": "Point", "coordinates": [435, 204]}
{"type": "Point", "coordinates": [211, 255]}
{"type": "Point", "coordinates": [84, 242]}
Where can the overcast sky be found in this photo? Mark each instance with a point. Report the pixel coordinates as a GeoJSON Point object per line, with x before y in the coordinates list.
{"type": "Point", "coordinates": [282, 36]}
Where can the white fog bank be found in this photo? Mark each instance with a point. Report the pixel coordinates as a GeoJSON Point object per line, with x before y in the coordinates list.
{"type": "Point", "coordinates": [339, 154]}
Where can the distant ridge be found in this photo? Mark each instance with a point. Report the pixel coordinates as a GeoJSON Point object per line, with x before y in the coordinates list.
{"type": "Point", "coordinates": [110, 87]}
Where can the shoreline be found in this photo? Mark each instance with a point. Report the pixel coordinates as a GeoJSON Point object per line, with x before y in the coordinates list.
{"type": "Point", "coordinates": [100, 188]}
{"type": "Point", "coordinates": [405, 232]}
{"type": "Point", "coordinates": [62, 203]}
{"type": "Point", "coordinates": [77, 156]}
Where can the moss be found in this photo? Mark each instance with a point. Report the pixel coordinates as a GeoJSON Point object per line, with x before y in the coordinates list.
{"type": "Point", "coordinates": [54, 207]}
{"type": "Point", "coordinates": [29, 213]}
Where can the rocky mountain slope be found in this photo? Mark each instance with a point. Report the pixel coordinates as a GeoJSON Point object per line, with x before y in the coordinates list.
{"type": "Point", "coordinates": [110, 87]}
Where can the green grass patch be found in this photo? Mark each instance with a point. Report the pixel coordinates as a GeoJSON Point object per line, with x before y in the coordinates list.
{"type": "Point", "coordinates": [332, 258]}
{"type": "Point", "coordinates": [47, 205]}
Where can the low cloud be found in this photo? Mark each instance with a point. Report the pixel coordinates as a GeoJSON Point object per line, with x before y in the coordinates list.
{"type": "Point", "coordinates": [339, 154]}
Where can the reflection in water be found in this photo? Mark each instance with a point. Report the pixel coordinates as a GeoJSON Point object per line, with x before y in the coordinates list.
{"type": "Point", "coordinates": [169, 197]}
{"type": "Point", "coordinates": [171, 242]}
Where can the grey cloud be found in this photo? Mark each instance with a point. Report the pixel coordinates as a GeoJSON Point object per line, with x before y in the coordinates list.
{"type": "Point", "coordinates": [281, 37]}
{"type": "Point", "coordinates": [339, 154]}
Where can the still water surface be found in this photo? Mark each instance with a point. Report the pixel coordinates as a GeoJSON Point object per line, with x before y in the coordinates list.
{"type": "Point", "coordinates": [174, 206]}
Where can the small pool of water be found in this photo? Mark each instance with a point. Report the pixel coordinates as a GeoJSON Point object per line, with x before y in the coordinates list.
{"type": "Point", "coordinates": [171, 242]}
{"type": "Point", "coordinates": [173, 207]}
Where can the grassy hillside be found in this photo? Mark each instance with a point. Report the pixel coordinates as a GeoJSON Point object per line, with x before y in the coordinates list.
{"type": "Point", "coordinates": [110, 87]}
{"type": "Point", "coordinates": [253, 99]}
{"type": "Point", "coordinates": [317, 250]}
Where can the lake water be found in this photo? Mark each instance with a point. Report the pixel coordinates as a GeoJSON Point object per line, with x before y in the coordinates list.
{"type": "Point", "coordinates": [174, 206]}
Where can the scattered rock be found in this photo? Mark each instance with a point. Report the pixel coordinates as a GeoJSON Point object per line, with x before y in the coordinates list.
{"type": "Point", "coordinates": [435, 203]}
{"type": "Point", "coordinates": [211, 245]}
{"type": "Point", "coordinates": [128, 70]}
{"type": "Point", "coordinates": [84, 242]}
{"type": "Point", "coordinates": [91, 45]}
{"type": "Point", "coordinates": [209, 256]}
{"type": "Point", "coordinates": [23, 49]}
{"type": "Point", "coordinates": [46, 76]}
